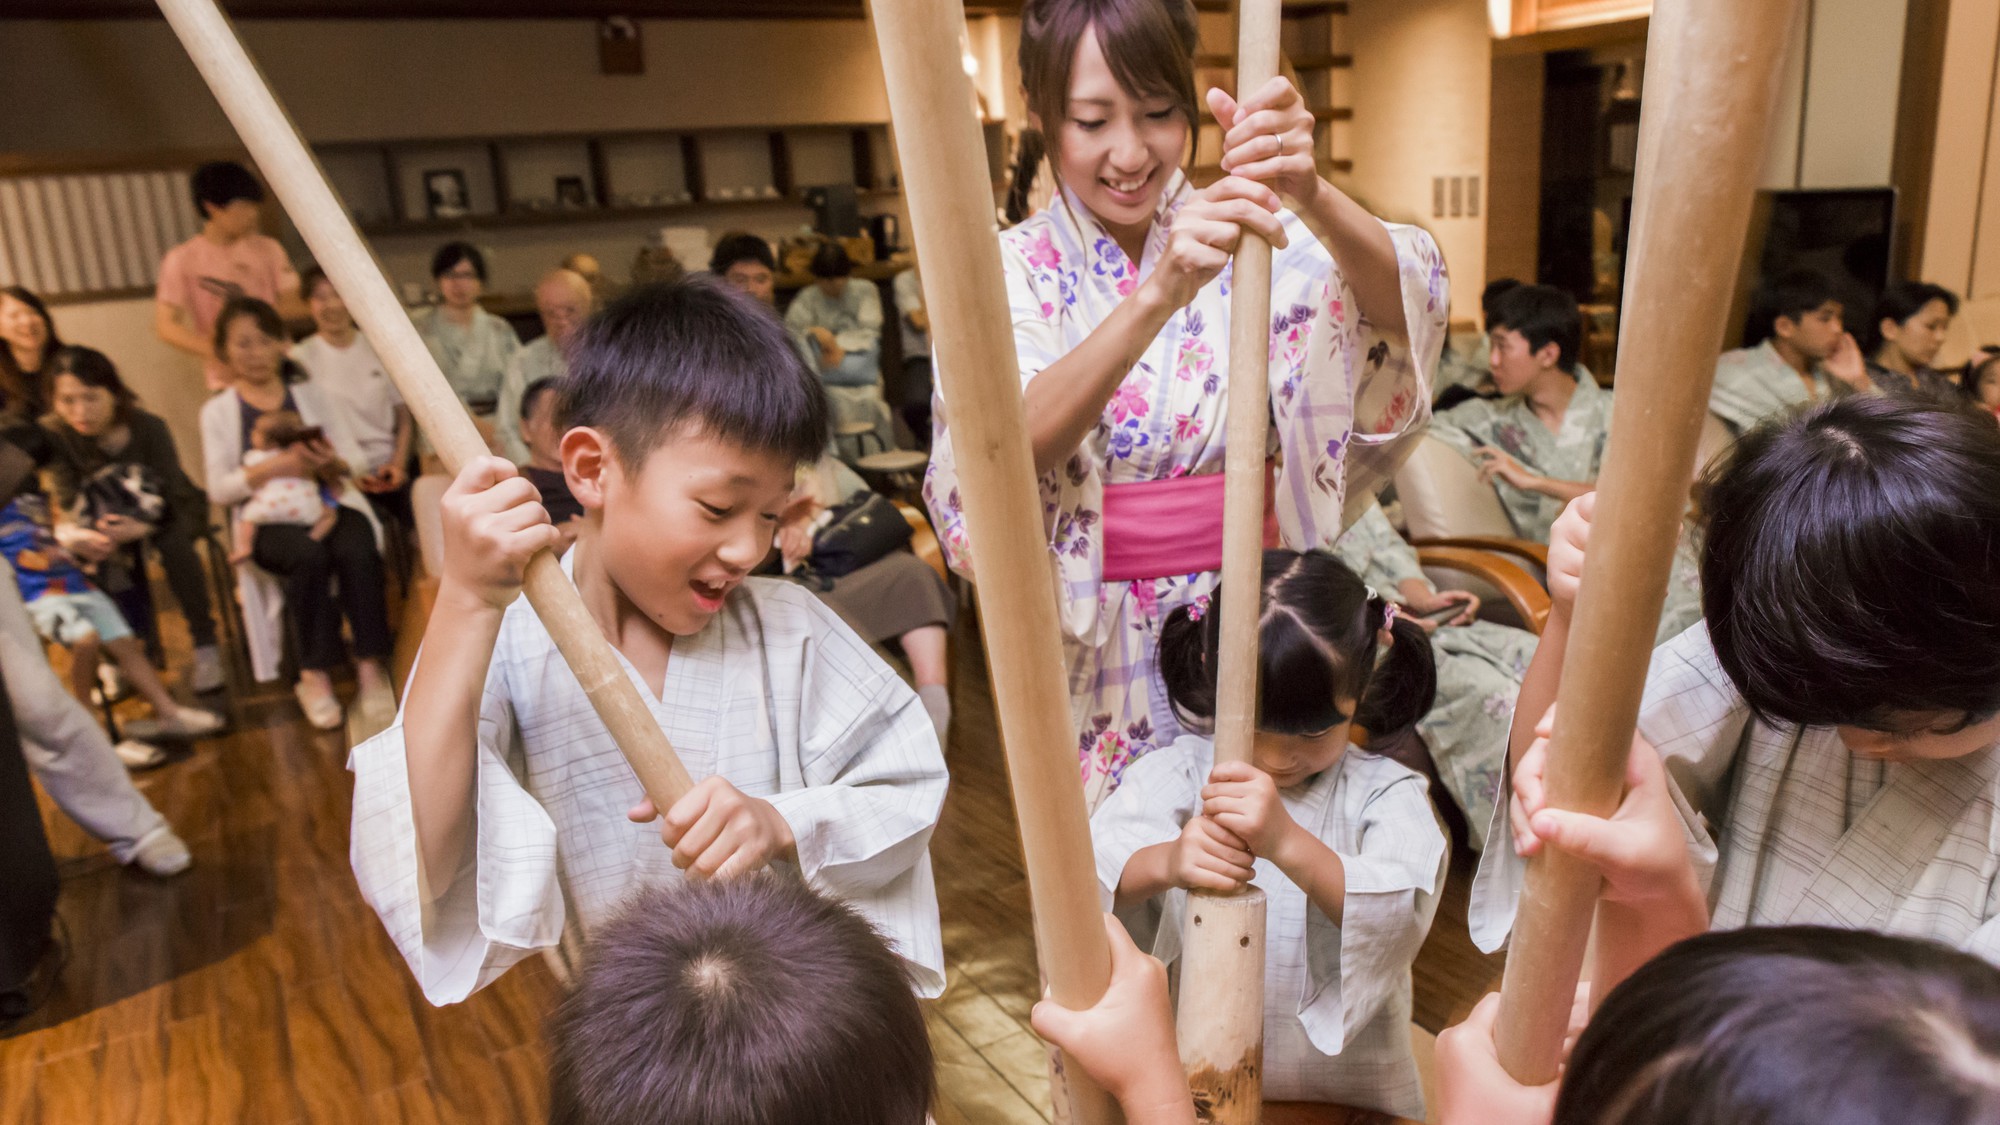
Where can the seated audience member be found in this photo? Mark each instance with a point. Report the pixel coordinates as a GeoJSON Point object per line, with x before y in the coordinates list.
{"type": "Point", "coordinates": [1479, 667]}
{"type": "Point", "coordinates": [544, 466]}
{"type": "Point", "coordinates": [1905, 336]}
{"type": "Point", "coordinates": [66, 610]}
{"type": "Point", "coordinates": [1828, 734]}
{"type": "Point", "coordinates": [763, 1002]}
{"type": "Point", "coordinates": [308, 500]}
{"type": "Point", "coordinates": [471, 345]}
{"type": "Point", "coordinates": [1796, 351]}
{"type": "Point", "coordinates": [1465, 369]}
{"type": "Point", "coordinates": [898, 597]}
{"type": "Point", "coordinates": [915, 322]}
{"type": "Point", "coordinates": [250, 339]}
{"type": "Point", "coordinates": [117, 477]}
{"type": "Point", "coordinates": [228, 259]}
{"type": "Point", "coordinates": [29, 335]}
{"type": "Point", "coordinates": [343, 365]}
{"type": "Point", "coordinates": [746, 263]}
{"type": "Point", "coordinates": [564, 301]}
{"type": "Point", "coordinates": [1541, 443]}
{"type": "Point", "coordinates": [842, 320]}
{"type": "Point", "coordinates": [1789, 1025]}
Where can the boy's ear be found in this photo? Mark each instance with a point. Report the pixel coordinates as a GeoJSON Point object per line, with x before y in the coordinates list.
{"type": "Point", "coordinates": [1549, 354]}
{"type": "Point", "coordinates": [1783, 326]}
{"type": "Point", "coordinates": [588, 459]}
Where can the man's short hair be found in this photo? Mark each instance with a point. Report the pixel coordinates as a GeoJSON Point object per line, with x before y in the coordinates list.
{"type": "Point", "coordinates": [750, 1002]}
{"type": "Point", "coordinates": [696, 355]}
{"type": "Point", "coordinates": [1791, 295]}
{"type": "Point", "coordinates": [830, 261]}
{"type": "Point", "coordinates": [739, 246]}
{"type": "Point", "coordinates": [1851, 563]}
{"type": "Point", "coordinates": [220, 183]}
{"type": "Point", "coordinates": [1543, 315]}
{"type": "Point", "coordinates": [1495, 289]}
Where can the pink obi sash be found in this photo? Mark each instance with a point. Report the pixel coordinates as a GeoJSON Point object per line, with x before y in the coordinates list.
{"type": "Point", "coordinates": [1164, 528]}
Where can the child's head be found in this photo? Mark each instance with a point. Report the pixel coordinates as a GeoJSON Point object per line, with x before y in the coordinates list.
{"type": "Point", "coordinates": [538, 423]}
{"type": "Point", "coordinates": [1533, 329]}
{"type": "Point", "coordinates": [1797, 1025]}
{"type": "Point", "coordinates": [744, 260]}
{"type": "Point", "coordinates": [1799, 309]}
{"type": "Point", "coordinates": [276, 428]}
{"type": "Point", "coordinates": [684, 416]}
{"type": "Point", "coordinates": [1981, 380]}
{"type": "Point", "coordinates": [1318, 635]}
{"type": "Point", "coordinates": [750, 1002]}
{"type": "Point", "coordinates": [1851, 573]}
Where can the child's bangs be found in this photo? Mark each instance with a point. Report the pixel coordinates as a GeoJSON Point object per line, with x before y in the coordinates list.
{"type": "Point", "coordinates": [1300, 689]}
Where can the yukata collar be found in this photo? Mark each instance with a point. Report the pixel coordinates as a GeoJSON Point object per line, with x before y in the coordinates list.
{"type": "Point", "coordinates": [1090, 230]}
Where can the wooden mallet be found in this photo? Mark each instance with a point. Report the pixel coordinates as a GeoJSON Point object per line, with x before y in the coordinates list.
{"type": "Point", "coordinates": [275, 145]}
{"type": "Point", "coordinates": [1712, 74]}
{"type": "Point", "coordinates": [947, 186]}
{"type": "Point", "coordinates": [1221, 1017]}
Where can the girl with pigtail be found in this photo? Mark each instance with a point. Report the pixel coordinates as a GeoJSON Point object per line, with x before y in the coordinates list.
{"type": "Point", "coordinates": [1343, 842]}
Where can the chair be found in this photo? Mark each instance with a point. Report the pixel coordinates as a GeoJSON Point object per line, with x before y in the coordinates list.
{"type": "Point", "coordinates": [1450, 511]}
{"type": "Point", "coordinates": [896, 473]}
{"type": "Point", "coordinates": [924, 541]}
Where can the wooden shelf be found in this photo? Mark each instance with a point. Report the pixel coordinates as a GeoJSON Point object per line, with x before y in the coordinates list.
{"type": "Point", "coordinates": [1323, 62]}
{"type": "Point", "coordinates": [526, 218]}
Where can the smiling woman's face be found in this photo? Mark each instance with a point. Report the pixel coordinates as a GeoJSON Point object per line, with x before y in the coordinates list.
{"type": "Point", "coordinates": [1116, 152]}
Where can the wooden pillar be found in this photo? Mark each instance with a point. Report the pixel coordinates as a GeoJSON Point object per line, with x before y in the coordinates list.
{"type": "Point", "coordinates": [948, 187]}
{"type": "Point", "coordinates": [1712, 72]}
{"type": "Point", "coordinates": [1221, 1017]}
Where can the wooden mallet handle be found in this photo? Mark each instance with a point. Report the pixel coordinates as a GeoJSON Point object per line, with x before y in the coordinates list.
{"type": "Point", "coordinates": [301, 186]}
{"type": "Point", "coordinates": [947, 186]}
{"type": "Point", "coordinates": [1712, 72]}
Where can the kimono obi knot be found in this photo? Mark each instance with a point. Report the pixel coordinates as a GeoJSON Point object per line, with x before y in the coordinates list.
{"type": "Point", "coordinates": [1167, 528]}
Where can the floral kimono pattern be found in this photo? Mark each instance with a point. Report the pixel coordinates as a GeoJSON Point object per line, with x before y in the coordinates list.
{"type": "Point", "coordinates": [1345, 402]}
{"type": "Point", "coordinates": [1479, 670]}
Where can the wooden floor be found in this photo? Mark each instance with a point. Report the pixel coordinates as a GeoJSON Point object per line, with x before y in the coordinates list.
{"type": "Point", "coordinates": [259, 988]}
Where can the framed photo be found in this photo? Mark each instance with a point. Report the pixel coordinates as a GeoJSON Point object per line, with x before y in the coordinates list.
{"type": "Point", "coordinates": [445, 194]}
{"type": "Point", "coordinates": [570, 195]}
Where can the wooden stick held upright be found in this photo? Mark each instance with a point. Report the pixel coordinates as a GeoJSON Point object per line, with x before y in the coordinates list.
{"type": "Point", "coordinates": [296, 177]}
{"type": "Point", "coordinates": [1221, 1015]}
{"type": "Point", "coordinates": [1712, 72]}
{"type": "Point", "coordinates": [946, 183]}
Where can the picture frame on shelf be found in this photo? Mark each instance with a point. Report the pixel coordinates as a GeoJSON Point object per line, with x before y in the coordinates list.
{"type": "Point", "coordinates": [570, 193]}
{"type": "Point", "coordinates": [445, 194]}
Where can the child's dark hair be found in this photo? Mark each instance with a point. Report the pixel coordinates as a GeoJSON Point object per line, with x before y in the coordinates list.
{"type": "Point", "coordinates": [451, 254]}
{"type": "Point", "coordinates": [750, 1002]}
{"type": "Point", "coordinates": [692, 353]}
{"type": "Point", "coordinates": [1543, 315]}
{"type": "Point", "coordinates": [1793, 1025]}
{"type": "Point", "coordinates": [220, 183]}
{"type": "Point", "coordinates": [1898, 303]}
{"type": "Point", "coordinates": [740, 246]}
{"type": "Point", "coordinates": [311, 278]}
{"type": "Point", "coordinates": [1791, 295]}
{"type": "Point", "coordinates": [1851, 563]}
{"type": "Point", "coordinates": [1316, 640]}
{"type": "Point", "coordinates": [268, 322]}
{"type": "Point", "coordinates": [1974, 371]}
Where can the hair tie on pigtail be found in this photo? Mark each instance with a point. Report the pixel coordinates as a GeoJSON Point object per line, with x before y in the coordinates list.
{"type": "Point", "coordinates": [1389, 615]}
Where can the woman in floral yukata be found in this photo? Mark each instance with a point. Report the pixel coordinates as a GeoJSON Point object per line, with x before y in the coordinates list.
{"type": "Point", "coordinates": [1120, 299]}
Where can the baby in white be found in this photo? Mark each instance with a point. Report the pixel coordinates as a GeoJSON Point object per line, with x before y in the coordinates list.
{"type": "Point", "coordinates": [300, 500]}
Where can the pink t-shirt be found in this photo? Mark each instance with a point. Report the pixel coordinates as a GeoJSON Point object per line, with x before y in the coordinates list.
{"type": "Point", "coordinates": [201, 276]}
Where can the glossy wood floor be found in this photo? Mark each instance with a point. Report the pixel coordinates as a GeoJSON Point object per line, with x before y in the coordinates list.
{"type": "Point", "coordinates": [259, 988]}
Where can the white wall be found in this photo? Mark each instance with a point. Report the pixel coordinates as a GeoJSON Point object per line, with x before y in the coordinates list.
{"type": "Point", "coordinates": [1836, 122]}
{"type": "Point", "coordinates": [1421, 89]}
